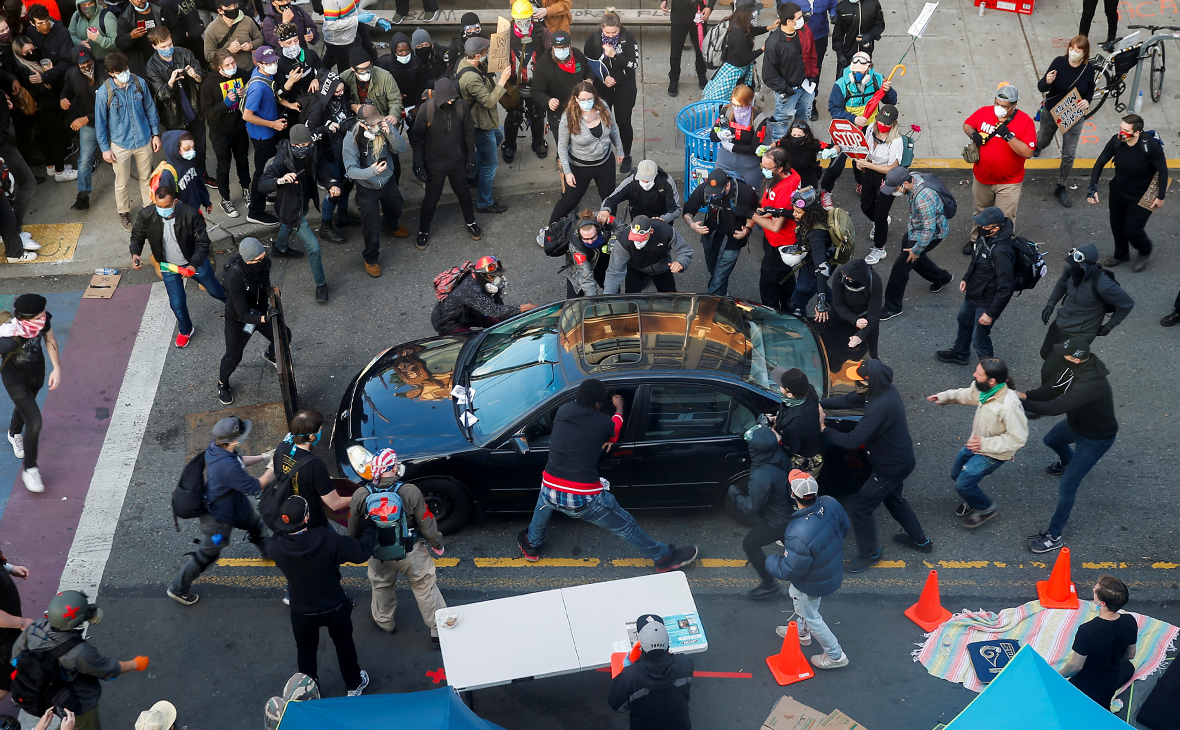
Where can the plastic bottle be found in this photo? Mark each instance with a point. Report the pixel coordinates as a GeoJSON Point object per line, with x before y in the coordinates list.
{"type": "Point", "coordinates": [1139, 103]}
{"type": "Point", "coordinates": [106, 272]}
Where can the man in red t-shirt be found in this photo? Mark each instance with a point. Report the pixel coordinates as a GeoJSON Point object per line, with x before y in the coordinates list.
{"type": "Point", "coordinates": [1006, 137]}
{"type": "Point", "coordinates": [776, 283]}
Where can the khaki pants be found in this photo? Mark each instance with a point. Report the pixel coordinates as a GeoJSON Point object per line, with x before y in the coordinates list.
{"type": "Point", "coordinates": [143, 163]}
{"type": "Point", "coordinates": [418, 567]}
{"type": "Point", "coordinates": [1005, 197]}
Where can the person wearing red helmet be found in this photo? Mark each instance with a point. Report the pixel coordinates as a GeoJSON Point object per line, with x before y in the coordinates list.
{"type": "Point", "coordinates": [476, 301]}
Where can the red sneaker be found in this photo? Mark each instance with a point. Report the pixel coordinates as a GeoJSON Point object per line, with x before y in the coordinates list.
{"type": "Point", "coordinates": [182, 339]}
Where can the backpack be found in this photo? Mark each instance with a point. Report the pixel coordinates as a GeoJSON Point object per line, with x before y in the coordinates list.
{"type": "Point", "coordinates": [430, 105]}
{"type": "Point", "coordinates": [555, 238]}
{"type": "Point", "coordinates": [843, 234]}
{"type": "Point", "coordinates": [109, 85]}
{"type": "Point", "coordinates": [188, 498]}
{"type": "Point", "coordinates": [715, 43]}
{"type": "Point", "coordinates": [270, 501]}
{"type": "Point", "coordinates": [949, 206]}
{"type": "Point", "coordinates": [37, 682]}
{"type": "Point", "coordinates": [446, 282]}
{"type": "Point", "coordinates": [908, 142]}
{"type": "Point", "coordinates": [1107, 307]}
{"type": "Point", "coordinates": [1029, 266]}
{"type": "Point", "coordinates": [395, 538]}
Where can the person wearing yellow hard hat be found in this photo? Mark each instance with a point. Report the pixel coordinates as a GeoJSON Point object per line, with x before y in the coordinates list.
{"type": "Point", "coordinates": [528, 42]}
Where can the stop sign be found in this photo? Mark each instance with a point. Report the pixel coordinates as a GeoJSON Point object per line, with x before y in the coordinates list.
{"type": "Point", "coordinates": [850, 138]}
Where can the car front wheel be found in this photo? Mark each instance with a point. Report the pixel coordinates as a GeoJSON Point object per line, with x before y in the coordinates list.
{"type": "Point", "coordinates": [448, 501]}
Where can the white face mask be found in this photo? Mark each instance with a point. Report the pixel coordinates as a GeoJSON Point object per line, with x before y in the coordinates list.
{"type": "Point", "coordinates": [1000, 111]}
{"type": "Point", "coordinates": [647, 185]}
{"type": "Point", "coordinates": [370, 134]}
{"type": "Point", "coordinates": [364, 75]}
{"type": "Point", "coordinates": [291, 51]}
{"type": "Point", "coordinates": [404, 59]}
{"type": "Point", "coordinates": [1075, 56]}
{"type": "Point", "coordinates": [270, 69]}
{"type": "Point", "coordinates": [799, 24]}
{"type": "Point", "coordinates": [189, 154]}
{"type": "Point", "coordinates": [229, 72]}
{"type": "Point", "coordinates": [123, 77]}
{"type": "Point", "coordinates": [561, 53]}
{"type": "Point", "coordinates": [586, 104]}
{"type": "Point", "coordinates": [639, 244]}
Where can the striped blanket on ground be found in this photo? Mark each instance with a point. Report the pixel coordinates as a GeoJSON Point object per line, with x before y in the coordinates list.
{"type": "Point", "coordinates": [1049, 631]}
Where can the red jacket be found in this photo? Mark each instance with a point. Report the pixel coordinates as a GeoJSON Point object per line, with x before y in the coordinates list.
{"type": "Point", "coordinates": [810, 66]}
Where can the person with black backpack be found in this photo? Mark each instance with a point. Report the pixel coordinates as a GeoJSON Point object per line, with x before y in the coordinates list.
{"type": "Point", "coordinates": [927, 227]}
{"type": "Point", "coordinates": [988, 285]}
{"type": "Point", "coordinates": [298, 471]}
{"type": "Point", "coordinates": [649, 191]}
{"type": "Point", "coordinates": [12, 623]}
{"type": "Point", "coordinates": [405, 526]}
{"type": "Point", "coordinates": [246, 280]}
{"type": "Point", "coordinates": [729, 205]}
{"type": "Point", "coordinates": [1088, 294]}
{"type": "Point", "coordinates": [584, 241]}
{"type": "Point", "coordinates": [443, 140]}
{"type": "Point", "coordinates": [227, 506]}
{"type": "Point", "coordinates": [1139, 164]}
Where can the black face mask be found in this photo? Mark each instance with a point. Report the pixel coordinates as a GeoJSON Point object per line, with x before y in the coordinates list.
{"type": "Point", "coordinates": [424, 54]}
{"type": "Point", "coordinates": [796, 141]}
{"type": "Point", "coordinates": [300, 152]}
{"type": "Point", "coordinates": [256, 267]}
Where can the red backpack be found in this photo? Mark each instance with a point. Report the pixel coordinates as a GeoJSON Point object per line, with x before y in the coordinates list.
{"type": "Point", "coordinates": [446, 282]}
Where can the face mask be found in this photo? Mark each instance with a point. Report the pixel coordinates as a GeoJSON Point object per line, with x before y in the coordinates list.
{"type": "Point", "coordinates": [858, 76]}
{"type": "Point", "coordinates": [404, 59]}
{"type": "Point", "coordinates": [300, 152]}
{"type": "Point", "coordinates": [6, 37]}
{"type": "Point", "coordinates": [639, 245]}
{"type": "Point", "coordinates": [364, 75]}
{"type": "Point", "coordinates": [851, 285]}
{"type": "Point", "coordinates": [899, 193]}
{"type": "Point", "coordinates": [189, 154]}
{"type": "Point", "coordinates": [768, 174]}
{"type": "Point", "coordinates": [123, 77]}
{"type": "Point", "coordinates": [256, 266]}
{"type": "Point", "coordinates": [1000, 111]}
{"type": "Point", "coordinates": [1075, 56]}
{"type": "Point", "coordinates": [586, 104]}
{"type": "Point", "coordinates": [88, 72]}
{"type": "Point", "coordinates": [291, 51]}
{"type": "Point", "coordinates": [370, 134]}
{"type": "Point", "coordinates": [270, 69]}
{"type": "Point", "coordinates": [561, 54]}
{"type": "Point", "coordinates": [88, 11]}
{"type": "Point", "coordinates": [883, 128]}
{"type": "Point", "coordinates": [524, 27]}
{"type": "Point", "coordinates": [796, 141]}
{"type": "Point", "coordinates": [166, 52]}
{"type": "Point", "coordinates": [862, 387]}
{"type": "Point", "coordinates": [1124, 136]}
{"type": "Point", "coordinates": [647, 185]}
{"type": "Point", "coordinates": [164, 212]}
{"type": "Point", "coordinates": [425, 54]}
{"type": "Point", "coordinates": [139, 8]}
{"type": "Point", "coordinates": [798, 24]}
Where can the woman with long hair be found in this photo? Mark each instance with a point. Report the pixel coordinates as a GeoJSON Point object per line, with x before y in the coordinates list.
{"type": "Point", "coordinates": [813, 240]}
{"type": "Point", "coordinates": [737, 60]}
{"type": "Point", "coordinates": [741, 128]}
{"type": "Point", "coordinates": [885, 150]}
{"type": "Point", "coordinates": [1066, 72]}
{"type": "Point", "coordinates": [613, 55]}
{"type": "Point", "coordinates": [587, 135]}
{"type": "Point", "coordinates": [805, 152]}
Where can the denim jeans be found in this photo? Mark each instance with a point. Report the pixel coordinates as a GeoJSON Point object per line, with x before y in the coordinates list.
{"type": "Point", "coordinates": [310, 243]}
{"type": "Point", "coordinates": [806, 285]}
{"type": "Point", "coordinates": [487, 142]}
{"type": "Point", "coordinates": [810, 622]}
{"type": "Point", "coordinates": [972, 333]}
{"type": "Point", "coordinates": [605, 512]}
{"type": "Point", "coordinates": [1077, 462]}
{"type": "Point", "coordinates": [87, 150]}
{"type": "Point", "coordinates": [786, 106]}
{"type": "Point", "coordinates": [174, 284]}
{"type": "Point", "coordinates": [969, 470]}
{"type": "Point", "coordinates": [719, 260]}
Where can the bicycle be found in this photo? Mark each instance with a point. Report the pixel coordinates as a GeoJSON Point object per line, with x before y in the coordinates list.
{"type": "Point", "coordinates": [1124, 54]}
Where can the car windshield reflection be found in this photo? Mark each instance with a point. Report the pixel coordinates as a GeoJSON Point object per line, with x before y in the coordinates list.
{"type": "Point", "coordinates": [779, 339]}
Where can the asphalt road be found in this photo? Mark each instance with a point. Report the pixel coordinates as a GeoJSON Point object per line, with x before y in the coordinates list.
{"type": "Point", "coordinates": [220, 660]}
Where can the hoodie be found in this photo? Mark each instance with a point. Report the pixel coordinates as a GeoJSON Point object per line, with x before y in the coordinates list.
{"type": "Point", "coordinates": [882, 429]}
{"type": "Point", "coordinates": [768, 497]}
{"type": "Point", "coordinates": [813, 549]}
{"type": "Point", "coordinates": [1082, 392]}
{"type": "Point", "coordinates": [310, 560]}
{"type": "Point", "coordinates": [291, 198]}
{"type": "Point", "coordinates": [302, 20]}
{"type": "Point", "coordinates": [443, 135]}
{"type": "Point", "coordinates": [798, 426]}
{"type": "Point", "coordinates": [655, 690]}
{"type": "Point", "coordinates": [323, 109]}
{"type": "Point", "coordinates": [410, 77]}
{"type": "Point", "coordinates": [83, 666]}
{"type": "Point", "coordinates": [852, 305]}
{"type": "Point", "coordinates": [1085, 291]}
{"type": "Point", "coordinates": [187, 182]}
{"type": "Point", "coordinates": [989, 277]}
{"type": "Point", "coordinates": [433, 59]}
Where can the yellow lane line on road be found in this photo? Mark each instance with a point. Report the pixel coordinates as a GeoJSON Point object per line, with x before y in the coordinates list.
{"type": "Point", "coordinates": [717, 563]}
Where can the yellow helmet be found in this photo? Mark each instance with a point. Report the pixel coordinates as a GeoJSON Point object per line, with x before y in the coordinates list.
{"type": "Point", "coordinates": [522, 9]}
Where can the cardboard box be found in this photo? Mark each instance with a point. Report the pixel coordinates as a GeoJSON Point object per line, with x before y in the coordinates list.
{"type": "Point", "coordinates": [102, 287]}
{"type": "Point", "coordinates": [500, 49]}
{"type": "Point", "coordinates": [789, 714]}
{"type": "Point", "coordinates": [839, 721]}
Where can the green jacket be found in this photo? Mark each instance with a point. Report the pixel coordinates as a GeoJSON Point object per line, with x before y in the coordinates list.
{"type": "Point", "coordinates": [383, 90]}
{"type": "Point", "coordinates": [105, 42]}
{"type": "Point", "coordinates": [482, 95]}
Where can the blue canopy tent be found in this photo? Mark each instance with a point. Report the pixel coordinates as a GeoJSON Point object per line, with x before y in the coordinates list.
{"type": "Point", "coordinates": [1030, 695]}
{"type": "Point", "coordinates": [436, 709]}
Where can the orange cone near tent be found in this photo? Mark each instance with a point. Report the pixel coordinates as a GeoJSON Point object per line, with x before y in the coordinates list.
{"type": "Point", "coordinates": [789, 665]}
{"type": "Point", "coordinates": [1059, 591]}
{"type": "Point", "coordinates": [928, 611]}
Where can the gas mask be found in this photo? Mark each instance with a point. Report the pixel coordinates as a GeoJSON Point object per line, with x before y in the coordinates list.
{"type": "Point", "coordinates": [791, 255]}
{"type": "Point", "coordinates": [495, 285]}
{"type": "Point", "coordinates": [524, 27]}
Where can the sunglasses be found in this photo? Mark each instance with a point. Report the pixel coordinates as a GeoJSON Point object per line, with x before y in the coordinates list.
{"type": "Point", "coordinates": [1077, 256]}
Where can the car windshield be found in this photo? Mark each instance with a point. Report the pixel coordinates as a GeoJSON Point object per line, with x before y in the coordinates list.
{"type": "Point", "coordinates": [515, 368]}
{"type": "Point", "coordinates": [780, 340]}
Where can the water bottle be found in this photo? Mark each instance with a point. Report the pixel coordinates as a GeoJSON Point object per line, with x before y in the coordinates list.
{"type": "Point", "coordinates": [106, 272]}
{"type": "Point", "coordinates": [217, 539]}
{"type": "Point", "coordinates": [1139, 103]}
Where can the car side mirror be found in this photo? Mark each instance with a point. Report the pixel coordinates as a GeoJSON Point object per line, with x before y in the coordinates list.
{"type": "Point", "coordinates": [519, 445]}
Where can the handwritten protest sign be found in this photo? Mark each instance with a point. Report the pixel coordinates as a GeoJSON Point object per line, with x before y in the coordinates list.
{"type": "Point", "coordinates": [1067, 112]}
{"type": "Point", "coordinates": [500, 49]}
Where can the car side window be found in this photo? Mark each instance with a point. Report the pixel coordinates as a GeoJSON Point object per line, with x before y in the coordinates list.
{"type": "Point", "coordinates": [680, 412]}
{"type": "Point", "coordinates": [540, 429]}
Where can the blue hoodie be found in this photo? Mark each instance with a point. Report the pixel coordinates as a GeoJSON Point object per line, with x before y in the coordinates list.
{"type": "Point", "coordinates": [229, 485]}
{"type": "Point", "coordinates": [190, 188]}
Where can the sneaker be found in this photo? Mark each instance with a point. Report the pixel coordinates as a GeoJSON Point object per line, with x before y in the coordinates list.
{"type": "Point", "coordinates": [950, 358]}
{"type": "Point", "coordinates": [182, 339]}
{"type": "Point", "coordinates": [24, 258]}
{"type": "Point", "coordinates": [65, 176]}
{"type": "Point", "coordinates": [288, 253]}
{"type": "Point", "coordinates": [886, 315]}
{"type": "Point", "coordinates": [978, 518]}
{"type": "Point", "coordinates": [287, 600]}
{"type": "Point", "coordinates": [1055, 469]}
{"type": "Point", "coordinates": [935, 288]}
{"type": "Point", "coordinates": [321, 294]}
{"type": "Point", "coordinates": [862, 563]}
{"type": "Point", "coordinates": [825, 200]}
{"type": "Point", "coordinates": [903, 538]}
{"type": "Point", "coordinates": [82, 203]}
{"type": "Point", "coordinates": [262, 218]}
{"type": "Point", "coordinates": [27, 243]}
{"type": "Point", "coordinates": [397, 18]}
{"type": "Point", "coordinates": [18, 444]}
{"type": "Point", "coordinates": [625, 165]}
{"type": "Point", "coordinates": [423, 240]}
{"type": "Point", "coordinates": [229, 209]}
{"type": "Point", "coordinates": [474, 231]}
{"type": "Point", "coordinates": [399, 232]}
{"type": "Point", "coordinates": [541, 237]}
{"type": "Point", "coordinates": [125, 221]}
{"type": "Point", "coordinates": [210, 183]}
{"type": "Point", "coordinates": [804, 636]}
{"type": "Point", "coordinates": [360, 687]}
{"type": "Point", "coordinates": [433, 17]}
{"type": "Point", "coordinates": [1170, 320]}
{"type": "Point", "coordinates": [858, 190]}
{"type": "Point", "coordinates": [763, 591]}
{"type": "Point", "coordinates": [493, 208]}
{"type": "Point", "coordinates": [224, 394]}
{"type": "Point", "coordinates": [32, 480]}
{"type": "Point", "coordinates": [185, 599]}
{"type": "Point", "coordinates": [677, 559]}
{"type": "Point", "coordinates": [963, 510]}
{"type": "Point", "coordinates": [269, 356]}
{"type": "Point", "coordinates": [1044, 542]}
{"type": "Point", "coordinates": [823, 661]}
{"type": "Point", "coordinates": [875, 255]}
{"type": "Point", "coordinates": [531, 554]}
{"type": "Point", "coordinates": [673, 88]}
{"type": "Point", "coordinates": [873, 232]}
{"type": "Point", "coordinates": [373, 270]}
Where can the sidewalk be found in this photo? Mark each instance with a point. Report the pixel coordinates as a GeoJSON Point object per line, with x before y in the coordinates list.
{"type": "Point", "coordinates": [950, 73]}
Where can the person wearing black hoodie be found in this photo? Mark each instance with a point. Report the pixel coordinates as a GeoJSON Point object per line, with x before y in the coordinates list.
{"type": "Point", "coordinates": [1088, 293]}
{"type": "Point", "coordinates": [407, 70]}
{"type": "Point", "coordinates": [247, 308]}
{"type": "Point", "coordinates": [220, 103]}
{"type": "Point", "coordinates": [443, 138]}
{"type": "Point", "coordinates": [988, 285]}
{"type": "Point", "coordinates": [456, 52]}
{"type": "Point", "coordinates": [329, 117]}
{"type": "Point", "coordinates": [766, 503]}
{"type": "Point", "coordinates": [558, 72]}
{"type": "Point", "coordinates": [855, 324]}
{"type": "Point", "coordinates": [310, 559]}
{"type": "Point", "coordinates": [77, 99]}
{"type": "Point", "coordinates": [180, 171]}
{"type": "Point", "coordinates": [883, 431]}
{"type": "Point", "coordinates": [797, 420]}
{"type": "Point", "coordinates": [1081, 391]}
{"type": "Point", "coordinates": [655, 688]}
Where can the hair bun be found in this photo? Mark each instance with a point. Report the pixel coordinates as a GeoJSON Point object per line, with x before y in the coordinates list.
{"type": "Point", "coordinates": [610, 10]}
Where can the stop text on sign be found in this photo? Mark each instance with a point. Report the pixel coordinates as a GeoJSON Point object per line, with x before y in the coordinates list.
{"type": "Point", "coordinates": [851, 140]}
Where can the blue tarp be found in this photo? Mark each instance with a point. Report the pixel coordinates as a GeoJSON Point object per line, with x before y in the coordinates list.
{"type": "Point", "coordinates": [1030, 695]}
{"type": "Point", "coordinates": [436, 709]}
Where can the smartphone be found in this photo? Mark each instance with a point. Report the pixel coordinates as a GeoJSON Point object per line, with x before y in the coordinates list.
{"type": "Point", "coordinates": [92, 29]}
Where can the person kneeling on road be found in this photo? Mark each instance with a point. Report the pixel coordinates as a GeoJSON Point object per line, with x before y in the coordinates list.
{"type": "Point", "coordinates": [766, 502]}
{"type": "Point", "coordinates": [813, 555]}
{"type": "Point", "coordinates": [570, 483]}
{"type": "Point", "coordinates": [476, 301]}
{"type": "Point", "coordinates": [654, 689]}
{"type": "Point", "coordinates": [651, 250]}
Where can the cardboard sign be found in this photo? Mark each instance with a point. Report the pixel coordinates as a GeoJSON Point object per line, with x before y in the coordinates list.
{"type": "Point", "coordinates": [1067, 112]}
{"type": "Point", "coordinates": [790, 714]}
{"type": "Point", "coordinates": [500, 50]}
{"type": "Point", "coordinates": [1151, 193]}
{"type": "Point", "coordinates": [102, 287]}
{"type": "Point", "coordinates": [851, 140]}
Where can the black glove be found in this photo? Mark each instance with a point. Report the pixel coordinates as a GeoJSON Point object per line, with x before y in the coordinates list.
{"type": "Point", "coordinates": [1092, 191]}
{"type": "Point", "coordinates": [1046, 314]}
{"type": "Point", "coordinates": [821, 303]}
{"type": "Point", "coordinates": [1105, 329]}
{"type": "Point", "coordinates": [1005, 133]}
{"type": "Point", "coordinates": [977, 138]}
{"type": "Point", "coordinates": [470, 170]}
{"type": "Point", "coordinates": [420, 173]}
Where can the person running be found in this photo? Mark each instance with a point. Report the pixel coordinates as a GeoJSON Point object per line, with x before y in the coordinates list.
{"type": "Point", "coordinates": [1081, 391]}
{"type": "Point", "coordinates": [228, 488]}
{"type": "Point", "coordinates": [651, 250]}
{"type": "Point", "coordinates": [443, 138]}
{"type": "Point", "coordinates": [884, 432]}
{"type": "Point", "coordinates": [741, 130]}
{"type": "Point", "coordinates": [1066, 73]}
{"type": "Point", "coordinates": [370, 149]}
{"type": "Point", "coordinates": [24, 374]}
{"type": "Point", "coordinates": [1088, 293]}
{"type": "Point", "coordinates": [613, 55]}
{"type": "Point", "coordinates": [247, 291]}
{"type": "Point", "coordinates": [476, 301]}
{"type": "Point", "coordinates": [570, 483]}
{"type": "Point", "coordinates": [221, 96]}
{"type": "Point", "coordinates": [654, 689]}
{"type": "Point", "coordinates": [886, 148]}
{"type": "Point", "coordinates": [776, 283]}
{"type": "Point", "coordinates": [998, 431]}
{"type": "Point", "coordinates": [588, 148]}
{"type": "Point", "coordinates": [1005, 137]}
{"type": "Point", "coordinates": [813, 552]}
{"type": "Point", "coordinates": [729, 205]}
{"type": "Point", "coordinates": [1104, 646]}
{"type": "Point", "coordinates": [928, 226]}
{"type": "Point", "coordinates": [649, 191]}
{"type": "Point", "coordinates": [1139, 163]}
{"type": "Point", "coordinates": [854, 326]}
{"type": "Point", "coordinates": [765, 503]}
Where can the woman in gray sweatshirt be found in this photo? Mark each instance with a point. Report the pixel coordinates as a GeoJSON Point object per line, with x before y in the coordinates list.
{"type": "Point", "coordinates": [588, 148]}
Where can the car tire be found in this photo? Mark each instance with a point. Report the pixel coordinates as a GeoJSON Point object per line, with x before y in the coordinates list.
{"type": "Point", "coordinates": [448, 501]}
{"type": "Point", "coordinates": [742, 518]}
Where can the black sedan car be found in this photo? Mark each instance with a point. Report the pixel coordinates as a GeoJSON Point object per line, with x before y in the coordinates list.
{"type": "Point", "coordinates": [470, 414]}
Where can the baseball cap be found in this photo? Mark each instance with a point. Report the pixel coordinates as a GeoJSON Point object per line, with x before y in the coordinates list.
{"type": "Point", "coordinates": [887, 114]}
{"type": "Point", "coordinates": [803, 485]}
{"type": "Point", "coordinates": [1008, 93]}
{"type": "Point", "coordinates": [561, 39]}
{"type": "Point", "coordinates": [292, 515]}
{"type": "Point", "coordinates": [895, 178]}
{"type": "Point", "coordinates": [646, 172]}
{"type": "Point", "coordinates": [992, 216]}
{"type": "Point", "coordinates": [82, 55]}
{"type": "Point", "coordinates": [232, 428]}
{"type": "Point", "coordinates": [653, 634]}
{"type": "Point", "coordinates": [1074, 348]}
{"type": "Point", "coordinates": [641, 227]}
{"type": "Point", "coordinates": [475, 44]}
{"type": "Point", "coordinates": [265, 54]}
{"type": "Point", "coordinates": [161, 716]}
{"type": "Point", "coordinates": [717, 181]}
{"type": "Point", "coordinates": [852, 372]}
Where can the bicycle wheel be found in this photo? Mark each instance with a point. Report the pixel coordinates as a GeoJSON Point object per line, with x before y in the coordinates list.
{"type": "Point", "coordinates": [1104, 85]}
{"type": "Point", "coordinates": [1157, 71]}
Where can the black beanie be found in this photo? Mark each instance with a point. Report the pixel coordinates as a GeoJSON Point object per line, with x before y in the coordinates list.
{"type": "Point", "coordinates": [469, 19]}
{"type": "Point", "coordinates": [357, 56]}
{"type": "Point", "coordinates": [796, 382]}
{"type": "Point", "coordinates": [28, 305]}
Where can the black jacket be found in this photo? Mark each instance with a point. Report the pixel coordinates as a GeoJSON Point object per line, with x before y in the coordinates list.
{"type": "Point", "coordinates": [447, 141]}
{"type": "Point", "coordinates": [1085, 291]}
{"type": "Point", "coordinates": [167, 97]}
{"type": "Point", "coordinates": [1134, 166]}
{"type": "Point", "coordinates": [310, 561]}
{"type": "Point", "coordinates": [1082, 392]}
{"type": "Point", "coordinates": [798, 426]}
{"type": "Point", "coordinates": [467, 305]}
{"type": "Point", "coordinates": [410, 77]}
{"type": "Point", "coordinates": [739, 49]}
{"type": "Point", "coordinates": [575, 444]}
{"type": "Point", "coordinates": [322, 109]}
{"type": "Point", "coordinates": [989, 276]}
{"type": "Point", "coordinates": [290, 198]}
{"type": "Point", "coordinates": [782, 65]}
{"type": "Point", "coordinates": [223, 120]}
{"type": "Point", "coordinates": [247, 294]}
{"type": "Point", "coordinates": [882, 429]}
{"type": "Point", "coordinates": [550, 82]}
{"type": "Point", "coordinates": [80, 92]}
{"type": "Point", "coordinates": [58, 47]}
{"type": "Point", "coordinates": [138, 50]}
{"type": "Point", "coordinates": [852, 305]}
{"type": "Point", "coordinates": [727, 216]}
{"type": "Point", "coordinates": [622, 68]}
{"type": "Point", "coordinates": [865, 19]}
{"type": "Point", "coordinates": [769, 494]}
{"type": "Point", "coordinates": [662, 201]}
{"type": "Point", "coordinates": [184, 23]}
{"type": "Point", "coordinates": [191, 235]}
{"type": "Point", "coordinates": [655, 690]}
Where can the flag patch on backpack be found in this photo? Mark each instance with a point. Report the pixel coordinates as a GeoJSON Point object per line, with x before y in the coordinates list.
{"type": "Point", "coordinates": [385, 508]}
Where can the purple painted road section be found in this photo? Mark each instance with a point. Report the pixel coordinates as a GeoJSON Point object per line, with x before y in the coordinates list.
{"type": "Point", "coordinates": [38, 529]}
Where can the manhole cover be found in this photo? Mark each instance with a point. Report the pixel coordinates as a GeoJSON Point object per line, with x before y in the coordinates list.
{"type": "Point", "coordinates": [270, 426]}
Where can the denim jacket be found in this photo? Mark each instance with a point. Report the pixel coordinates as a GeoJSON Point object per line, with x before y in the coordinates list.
{"type": "Point", "coordinates": [129, 119]}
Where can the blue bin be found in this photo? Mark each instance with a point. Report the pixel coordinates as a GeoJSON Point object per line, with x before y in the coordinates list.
{"type": "Point", "coordinates": [700, 153]}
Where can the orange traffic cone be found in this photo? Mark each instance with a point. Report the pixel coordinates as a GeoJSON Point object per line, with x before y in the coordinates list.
{"type": "Point", "coordinates": [789, 665]}
{"type": "Point", "coordinates": [928, 611]}
{"type": "Point", "coordinates": [1059, 591]}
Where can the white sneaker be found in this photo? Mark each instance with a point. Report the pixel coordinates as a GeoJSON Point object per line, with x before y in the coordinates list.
{"type": "Point", "coordinates": [872, 231]}
{"type": "Point", "coordinates": [875, 254]}
{"type": "Point", "coordinates": [27, 242]}
{"type": "Point", "coordinates": [823, 661]}
{"type": "Point", "coordinates": [361, 688]}
{"type": "Point", "coordinates": [804, 637]}
{"type": "Point", "coordinates": [18, 444]}
{"type": "Point", "coordinates": [32, 480]}
{"type": "Point", "coordinates": [24, 258]}
{"type": "Point", "coordinates": [541, 237]}
{"type": "Point", "coordinates": [66, 175]}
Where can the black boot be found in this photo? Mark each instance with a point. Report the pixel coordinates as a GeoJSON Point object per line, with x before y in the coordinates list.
{"type": "Point", "coordinates": [329, 233]}
{"type": "Point", "coordinates": [509, 152]}
{"type": "Point", "coordinates": [82, 203]}
{"type": "Point", "coordinates": [541, 148]}
{"type": "Point", "coordinates": [674, 87]}
{"type": "Point", "coordinates": [1062, 198]}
